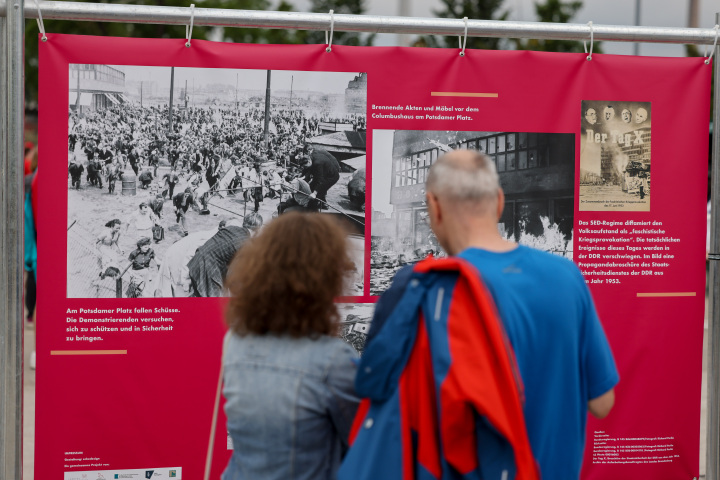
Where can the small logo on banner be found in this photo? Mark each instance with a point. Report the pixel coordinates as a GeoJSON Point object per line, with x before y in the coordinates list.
{"type": "Point", "coordinates": [148, 473]}
{"type": "Point", "coordinates": [172, 474]}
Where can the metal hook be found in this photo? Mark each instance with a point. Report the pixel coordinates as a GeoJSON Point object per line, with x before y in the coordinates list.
{"type": "Point", "coordinates": [328, 41]}
{"type": "Point", "coordinates": [592, 41]}
{"type": "Point", "coordinates": [463, 40]}
{"type": "Point", "coordinates": [188, 29]}
{"type": "Point", "coordinates": [712, 52]}
{"type": "Point", "coordinates": [41, 25]}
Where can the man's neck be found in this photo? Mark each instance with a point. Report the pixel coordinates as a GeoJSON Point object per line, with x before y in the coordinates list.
{"type": "Point", "coordinates": [485, 237]}
{"type": "Point", "coordinates": [496, 244]}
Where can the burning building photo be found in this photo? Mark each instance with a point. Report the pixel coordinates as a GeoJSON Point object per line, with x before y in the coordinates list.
{"type": "Point", "coordinates": [537, 174]}
{"type": "Point", "coordinates": [615, 156]}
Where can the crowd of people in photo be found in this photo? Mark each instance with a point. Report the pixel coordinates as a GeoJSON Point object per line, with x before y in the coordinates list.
{"type": "Point", "coordinates": [186, 160]}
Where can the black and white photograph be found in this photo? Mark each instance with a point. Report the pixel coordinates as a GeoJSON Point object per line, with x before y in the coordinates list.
{"type": "Point", "coordinates": [172, 169]}
{"type": "Point", "coordinates": [615, 156]}
{"type": "Point", "coordinates": [537, 175]}
{"type": "Point", "coordinates": [355, 320]}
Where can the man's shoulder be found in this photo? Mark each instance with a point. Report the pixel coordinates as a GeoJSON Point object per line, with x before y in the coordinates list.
{"type": "Point", "coordinates": [550, 258]}
{"type": "Point", "coordinates": [555, 264]}
{"type": "Point", "coordinates": [534, 260]}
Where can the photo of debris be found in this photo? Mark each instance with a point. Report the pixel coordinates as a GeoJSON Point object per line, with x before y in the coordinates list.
{"type": "Point", "coordinates": [355, 320]}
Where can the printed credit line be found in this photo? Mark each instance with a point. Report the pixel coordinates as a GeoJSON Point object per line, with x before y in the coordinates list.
{"type": "Point", "coordinates": [463, 94]}
{"type": "Point", "coordinates": [88, 352]}
{"type": "Point", "coordinates": [667, 294]}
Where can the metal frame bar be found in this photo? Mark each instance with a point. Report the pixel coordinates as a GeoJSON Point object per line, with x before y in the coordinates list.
{"type": "Point", "coordinates": [12, 112]}
{"type": "Point", "coordinates": [12, 15]}
{"type": "Point", "coordinates": [713, 375]}
{"type": "Point", "coordinates": [104, 12]}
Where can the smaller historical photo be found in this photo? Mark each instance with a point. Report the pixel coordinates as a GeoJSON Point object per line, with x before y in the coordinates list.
{"type": "Point", "coordinates": [615, 156]}
{"type": "Point", "coordinates": [171, 170]}
{"type": "Point", "coordinates": [536, 172]}
{"type": "Point", "coordinates": [355, 319]}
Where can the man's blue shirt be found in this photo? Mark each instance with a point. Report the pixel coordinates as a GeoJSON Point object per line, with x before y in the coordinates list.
{"type": "Point", "coordinates": [561, 350]}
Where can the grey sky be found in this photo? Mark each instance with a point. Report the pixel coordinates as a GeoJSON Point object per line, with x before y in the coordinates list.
{"type": "Point", "coordinates": [659, 13]}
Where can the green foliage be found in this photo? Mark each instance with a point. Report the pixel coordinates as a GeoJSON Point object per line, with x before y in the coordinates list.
{"type": "Point", "coordinates": [474, 10]}
{"type": "Point", "coordinates": [355, 7]}
{"type": "Point", "coordinates": [555, 11]}
{"type": "Point", "coordinates": [143, 30]}
{"type": "Point", "coordinates": [258, 35]}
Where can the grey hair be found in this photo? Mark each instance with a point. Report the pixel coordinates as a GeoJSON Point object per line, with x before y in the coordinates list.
{"type": "Point", "coordinates": [475, 180]}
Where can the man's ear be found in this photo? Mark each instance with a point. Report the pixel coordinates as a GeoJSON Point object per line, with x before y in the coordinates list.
{"type": "Point", "coordinates": [500, 203]}
{"type": "Point", "coordinates": [433, 207]}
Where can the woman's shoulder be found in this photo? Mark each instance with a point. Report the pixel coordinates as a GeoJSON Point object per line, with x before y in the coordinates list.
{"type": "Point", "coordinates": [314, 355]}
{"type": "Point", "coordinates": [339, 355]}
{"type": "Point", "coordinates": [336, 345]}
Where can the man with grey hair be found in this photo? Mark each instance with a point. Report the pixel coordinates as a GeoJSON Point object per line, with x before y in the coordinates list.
{"type": "Point", "coordinates": [562, 354]}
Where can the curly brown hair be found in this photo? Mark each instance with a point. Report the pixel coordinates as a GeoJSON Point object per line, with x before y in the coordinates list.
{"type": "Point", "coordinates": [285, 280]}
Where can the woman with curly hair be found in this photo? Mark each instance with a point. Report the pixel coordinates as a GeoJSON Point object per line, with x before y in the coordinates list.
{"type": "Point", "coordinates": [288, 379]}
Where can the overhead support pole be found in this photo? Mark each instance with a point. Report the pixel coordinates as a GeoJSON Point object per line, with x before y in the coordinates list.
{"type": "Point", "coordinates": [713, 374]}
{"type": "Point", "coordinates": [217, 17]}
{"type": "Point", "coordinates": [12, 109]}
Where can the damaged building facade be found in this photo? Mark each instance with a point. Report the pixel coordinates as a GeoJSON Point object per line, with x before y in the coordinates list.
{"type": "Point", "coordinates": [536, 170]}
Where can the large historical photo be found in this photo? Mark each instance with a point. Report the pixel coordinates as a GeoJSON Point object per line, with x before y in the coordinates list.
{"type": "Point", "coordinates": [536, 170]}
{"type": "Point", "coordinates": [171, 169]}
{"type": "Point", "coordinates": [615, 156]}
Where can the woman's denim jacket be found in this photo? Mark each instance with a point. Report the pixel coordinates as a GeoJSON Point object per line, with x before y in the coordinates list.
{"type": "Point", "coordinates": [290, 404]}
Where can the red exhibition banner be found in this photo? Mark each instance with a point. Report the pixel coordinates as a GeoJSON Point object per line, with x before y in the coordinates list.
{"type": "Point", "coordinates": [130, 324]}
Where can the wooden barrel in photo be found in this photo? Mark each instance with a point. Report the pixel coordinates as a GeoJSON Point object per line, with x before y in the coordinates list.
{"type": "Point", "coordinates": [129, 183]}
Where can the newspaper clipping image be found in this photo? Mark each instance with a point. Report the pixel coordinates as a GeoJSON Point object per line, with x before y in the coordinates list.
{"type": "Point", "coordinates": [615, 156]}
